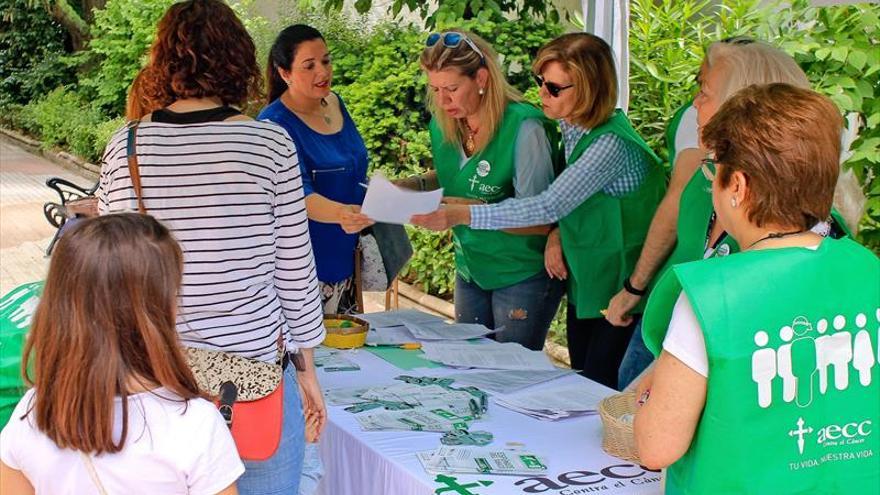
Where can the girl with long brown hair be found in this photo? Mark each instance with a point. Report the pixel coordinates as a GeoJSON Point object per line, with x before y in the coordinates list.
{"type": "Point", "coordinates": [113, 405]}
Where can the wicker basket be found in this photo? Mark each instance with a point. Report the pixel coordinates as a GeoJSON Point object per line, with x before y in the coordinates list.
{"type": "Point", "coordinates": [618, 439]}
{"type": "Point", "coordinates": [345, 337]}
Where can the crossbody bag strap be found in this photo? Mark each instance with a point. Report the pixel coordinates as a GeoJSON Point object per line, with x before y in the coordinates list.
{"type": "Point", "coordinates": [90, 467]}
{"type": "Point", "coordinates": [133, 168]}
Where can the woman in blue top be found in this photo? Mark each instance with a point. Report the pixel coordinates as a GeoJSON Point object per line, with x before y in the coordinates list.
{"type": "Point", "coordinates": [330, 151]}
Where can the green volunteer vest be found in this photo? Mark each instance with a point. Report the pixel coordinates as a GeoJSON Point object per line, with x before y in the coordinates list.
{"type": "Point", "coordinates": [491, 259]}
{"type": "Point", "coordinates": [793, 398]}
{"type": "Point", "coordinates": [602, 238]}
{"type": "Point", "coordinates": [694, 212]}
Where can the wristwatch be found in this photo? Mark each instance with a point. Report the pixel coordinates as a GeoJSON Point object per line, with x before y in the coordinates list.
{"type": "Point", "coordinates": [627, 286]}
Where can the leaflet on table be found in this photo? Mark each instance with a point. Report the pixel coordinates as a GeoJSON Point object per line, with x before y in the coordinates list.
{"type": "Point", "coordinates": [508, 381]}
{"type": "Point", "coordinates": [558, 402]}
{"type": "Point", "coordinates": [475, 460]}
{"type": "Point", "coordinates": [503, 356]}
{"type": "Point", "coordinates": [389, 336]}
{"type": "Point", "coordinates": [419, 419]}
{"type": "Point", "coordinates": [331, 360]}
{"type": "Point", "coordinates": [385, 202]}
{"type": "Point", "coordinates": [398, 318]}
{"type": "Point", "coordinates": [405, 394]}
{"type": "Point", "coordinates": [440, 330]}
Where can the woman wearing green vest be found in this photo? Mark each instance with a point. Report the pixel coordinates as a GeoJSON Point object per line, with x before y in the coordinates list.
{"type": "Point", "coordinates": [488, 145]}
{"type": "Point", "coordinates": [767, 379]}
{"type": "Point", "coordinates": [682, 230]}
{"type": "Point", "coordinates": [603, 201]}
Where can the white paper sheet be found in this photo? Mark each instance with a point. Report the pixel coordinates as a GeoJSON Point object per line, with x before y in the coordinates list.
{"type": "Point", "coordinates": [562, 401]}
{"type": "Point", "coordinates": [388, 203]}
{"type": "Point", "coordinates": [507, 381]}
{"type": "Point", "coordinates": [385, 319]}
{"type": "Point", "coordinates": [389, 336]}
{"type": "Point", "coordinates": [501, 356]}
{"type": "Point", "coordinates": [439, 330]}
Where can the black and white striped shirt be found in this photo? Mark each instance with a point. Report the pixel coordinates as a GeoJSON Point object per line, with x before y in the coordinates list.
{"type": "Point", "coordinates": [232, 195]}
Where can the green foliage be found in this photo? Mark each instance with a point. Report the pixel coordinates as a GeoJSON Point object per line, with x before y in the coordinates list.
{"type": "Point", "coordinates": [432, 267]}
{"type": "Point", "coordinates": [122, 33]}
{"type": "Point", "coordinates": [517, 42]}
{"type": "Point", "coordinates": [445, 12]}
{"type": "Point", "coordinates": [838, 49]}
{"type": "Point", "coordinates": [667, 42]}
{"type": "Point", "coordinates": [62, 118]}
{"type": "Point", "coordinates": [32, 53]}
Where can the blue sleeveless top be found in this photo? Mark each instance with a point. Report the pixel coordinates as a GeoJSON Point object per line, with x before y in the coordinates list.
{"type": "Point", "coordinates": [332, 165]}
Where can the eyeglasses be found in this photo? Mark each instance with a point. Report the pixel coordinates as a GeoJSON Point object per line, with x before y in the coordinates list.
{"type": "Point", "coordinates": [452, 39]}
{"type": "Point", "coordinates": [707, 166]}
{"type": "Point", "coordinates": [552, 88]}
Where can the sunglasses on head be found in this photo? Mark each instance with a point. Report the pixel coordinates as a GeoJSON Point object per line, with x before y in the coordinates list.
{"type": "Point", "coordinates": [452, 39]}
{"type": "Point", "coordinates": [738, 40]}
{"type": "Point", "coordinates": [552, 88]}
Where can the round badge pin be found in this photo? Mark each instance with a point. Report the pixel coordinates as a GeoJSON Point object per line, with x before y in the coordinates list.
{"type": "Point", "coordinates": [483, 168]}
{"type": "Point", "coordinates": [723, 250]}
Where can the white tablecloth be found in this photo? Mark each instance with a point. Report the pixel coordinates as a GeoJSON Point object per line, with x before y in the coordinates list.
{"type": "Point", "coordinates": [358, 462]}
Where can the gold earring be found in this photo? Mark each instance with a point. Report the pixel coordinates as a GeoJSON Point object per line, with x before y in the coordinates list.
{"type": "Point", "coordinates": [733, 202]}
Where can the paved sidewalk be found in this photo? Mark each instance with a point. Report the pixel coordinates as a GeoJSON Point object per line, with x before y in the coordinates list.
{"type": "Point", "coordinates": [24, 231]}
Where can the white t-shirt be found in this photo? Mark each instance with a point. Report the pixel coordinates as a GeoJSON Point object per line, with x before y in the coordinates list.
{"type": "Point", "coordinates": [684, 338]}
{"type": "Point", "coordinates": [181, 448]}
{"type": "Point", "coordinates": [687, 134]}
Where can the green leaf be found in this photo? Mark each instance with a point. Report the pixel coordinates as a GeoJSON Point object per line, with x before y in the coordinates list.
{"type": "Point", "coordinates": [857, 59]}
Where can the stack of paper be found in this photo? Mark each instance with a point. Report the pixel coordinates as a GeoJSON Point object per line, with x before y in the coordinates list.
{"type": "Point", "coordinates": [439, 330]}
{"type": "Point", "coordinates": [418, 419]}
{"type": "Point", "coordinates": [508, 381]}
{"type": "Point", "coordinates": [398, 318]}
{"type": "Point", "coordinates": [332, 360]}
{"type": "Point", "coordinates": [477, 460]}
{"type": "Point", "coordinates": [389, 336]}
{"type": "Point", "coordinates": [506, 356]}
{"type": "Point", "coordinates": [559, 402]}
{"type": "Point", "coordinates": [426, 397]}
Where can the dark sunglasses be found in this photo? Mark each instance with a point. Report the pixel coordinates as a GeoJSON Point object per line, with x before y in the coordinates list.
{"type": "Point", "coordinates": [452, 39]}
{"type": "Point", "coordinates": [552, 88]}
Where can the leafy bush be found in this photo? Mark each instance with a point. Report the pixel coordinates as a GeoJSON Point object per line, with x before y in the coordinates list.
{"type": "Point", "coordinates": [432, 266]}
{"type": "Point", "coordinates": [837, 48]}
{"type": "Point", "coordinates": [121, 35]}
{"type": "Point", "coordinates": [62, 118]}
{"type": "Point", "coordinates": [32, 53]}
{"type": "Point", "coordinates": [667, 43]}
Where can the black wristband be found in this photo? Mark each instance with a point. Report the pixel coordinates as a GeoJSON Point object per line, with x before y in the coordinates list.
{"type": "Point", "coordinates": [627, 286]}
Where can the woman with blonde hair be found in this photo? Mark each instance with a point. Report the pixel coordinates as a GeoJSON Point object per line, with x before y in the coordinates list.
{"type": "Point", "coordinates": [603, 200]}
{"type": "Point", "coordinates": [114, 407]}
{"type": "Point", "coordinates": [742, 398]}
{"type": "Point", "coordinates": [684, 228]}
{"type": "Point", "coordinates": [488, 145]}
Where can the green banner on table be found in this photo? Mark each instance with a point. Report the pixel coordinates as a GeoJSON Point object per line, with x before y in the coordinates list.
{"type": "Point", "coordinates": [405, 359]}
{"type": "Point", "coordinates": [16, 310]}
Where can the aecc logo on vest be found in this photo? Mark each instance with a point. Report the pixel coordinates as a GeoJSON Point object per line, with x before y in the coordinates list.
{"type": "Point", "coordinates": [852, 433]}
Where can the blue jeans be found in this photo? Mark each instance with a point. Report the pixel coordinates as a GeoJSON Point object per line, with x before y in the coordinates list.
{"type": "Point", "coordinates": [280, 474]}
{"type": "Point", "coordinates": [635, 360]}
{"type": "Point", "coordinates": [525, 309]}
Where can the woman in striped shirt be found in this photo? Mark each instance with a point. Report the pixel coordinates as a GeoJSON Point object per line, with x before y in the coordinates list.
{"type": "Point", "coordinates": [229, 189]}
